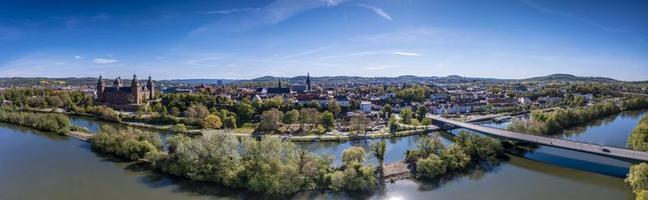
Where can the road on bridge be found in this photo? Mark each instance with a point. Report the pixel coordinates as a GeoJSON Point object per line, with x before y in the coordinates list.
{"type": "Point", "coordinates": [549, 141]}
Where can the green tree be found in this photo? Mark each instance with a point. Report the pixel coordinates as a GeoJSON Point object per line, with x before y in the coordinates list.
{"type": "Point", "coordinates": [421, 112]}
{"type": "Point", "coordinates": [386, 109]}
{"type": "Point", "coordinates": [378, 150]}
{"type": "Point", "coordinates": [393, 124]}
{"type": "Point", "coordinates": [430, 167]}
{"type": "Point", "coordinates": [290, 117]}
{"type": "Point", "coordinates": [327, 120]}
{"type": "Point", "coordinates": [229, 122]}
{"type": "Point", "coordinates": [244, 111]}
{"type": "Point", "coordinates": [406, 115]}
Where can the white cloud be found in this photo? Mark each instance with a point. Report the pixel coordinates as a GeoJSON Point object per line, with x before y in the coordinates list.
{"type": "Point", "coordinates": [159, 57]}
{"type": "Point", "coordinates": [403, 53]}
{"type": "Point", "coordinates": [102, 61]}
{"type": "Point", "coordinates": [378, 11]}
{"type": "Point", "coordinates": [78, 57]}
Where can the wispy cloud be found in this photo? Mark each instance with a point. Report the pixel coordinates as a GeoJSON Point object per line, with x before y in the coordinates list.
{"type": "Point", "coordinates": [271, 14]}
{"type": "Point", "coordinates": [544, 9]}
{"type": "Point", "coordinates": [376, 67]}
{"type": "Point", "coordinates": [230, 11]}
{"type": "Point", "coordinates": [78, 57]}
{"type": "Point", "coordinates": [404, 53]}
{"type": "Point", "coordinates": [101, 61]}
{"type": "Point", "coordinates": [378, 11]}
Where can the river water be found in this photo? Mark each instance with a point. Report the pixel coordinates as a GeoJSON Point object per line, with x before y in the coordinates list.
{"type": "Point", "coordinates": [36, 165]}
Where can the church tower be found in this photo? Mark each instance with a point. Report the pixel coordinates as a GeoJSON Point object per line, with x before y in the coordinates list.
{"type": "Point", "coordinates": [100, 89]}
{"type": "Point", "coordinates": [308, 82]}
{"type": "Point", "coordinates": [149, 86]}
{"type": "Point", "coordinates": [279, 85]}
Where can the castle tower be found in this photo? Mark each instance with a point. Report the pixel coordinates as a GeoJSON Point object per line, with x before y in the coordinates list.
{"type": "Point", "coordinates": [117, 82]}
{"type": "Point", "coordinates": [100, 89]}
{"type": "Point", "coordinates": [308, 82]}
{"type": "Point", "coordinates": [150, 87]}
{"type": "Point", "coordinates": [135, 90]}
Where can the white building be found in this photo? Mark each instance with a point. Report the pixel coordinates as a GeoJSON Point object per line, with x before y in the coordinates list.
{"type": "Point", "coordinates": [365, 106]}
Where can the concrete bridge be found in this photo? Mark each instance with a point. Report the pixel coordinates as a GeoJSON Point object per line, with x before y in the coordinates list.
{"type": "Point", "coordinates": [608, 151]}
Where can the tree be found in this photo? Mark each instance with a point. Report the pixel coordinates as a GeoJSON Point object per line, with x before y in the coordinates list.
{"type": "Point", "coordinates": [426, 121]}
{"type": "Point", "coordinates": [430, 145]}
{"type": "Point", "coordinates": [229, 122]}
{"type": "Point", "coordinates": [406, 115]}
{"type": "Point", "coordinates": [421, 112]}
{"type": "Point", "coordinates": [244, 111]}
{"type": "Point", "coordinates": [430, 167]}
{"type": "Point", "coordinates": [386, 110]}
{"type": "Point", "coordinates": [334, 107]}
{"type": "Point", "coordinates": [455, 158]}
{"type": "Point", "coordinates": [270, 120]}
{"type": "Point", "coordinates": [327, 120]}
{"type": "Point", "coordinates": [353, 155]}
{"type": "Point", "coordinates": [393, 124]}
{"type": "Point", "coordinates": [378, 150]}
{"type": "Point", "coordinates": [290, 117]}
{"type": "Point", "coordinates": [212, 122]}
{"type": "Point", "coordinates": [359, 122]}
{"type": "Point", "coordinates": [308, 116]}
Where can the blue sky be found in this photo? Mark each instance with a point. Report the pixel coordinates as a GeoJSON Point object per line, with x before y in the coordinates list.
{"type": "Point", "coordinates": [248, 39]}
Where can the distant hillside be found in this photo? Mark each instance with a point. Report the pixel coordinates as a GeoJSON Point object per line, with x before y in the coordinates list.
{"type": "Point", "coordinates": [271, 80]}
{"type": "Point", "coordinates": [570, 78]}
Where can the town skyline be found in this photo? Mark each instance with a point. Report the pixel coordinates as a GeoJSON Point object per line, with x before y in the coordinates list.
{"type": "Point", "coordinates": [250, 39]}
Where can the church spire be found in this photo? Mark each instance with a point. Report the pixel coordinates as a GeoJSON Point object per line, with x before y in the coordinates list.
{"type": "Point", "coordinates": [308, 82]}
{"type": "Point", "coordinates": [279, 85]}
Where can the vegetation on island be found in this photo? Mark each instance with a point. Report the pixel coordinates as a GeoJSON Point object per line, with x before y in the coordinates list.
{"type": "Point", "coordinates": [51, 122]}
{"type": "Point", "coordinates": [555, 121]}
{"type": "Point", "coordinates": [268, 166]}
{"type": "Point", "coordinates": [432, 159]}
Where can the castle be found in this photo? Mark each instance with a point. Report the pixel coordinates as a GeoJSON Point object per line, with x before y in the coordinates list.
{"type": "Point", "coordinates": [121, 95]}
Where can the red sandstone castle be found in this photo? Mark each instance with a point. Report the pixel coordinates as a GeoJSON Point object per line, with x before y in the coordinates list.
{"type": "Point", "coordinates": [121, 95]}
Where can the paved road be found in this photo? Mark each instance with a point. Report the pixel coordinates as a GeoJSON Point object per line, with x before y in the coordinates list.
{"type": "Point", "coordinates": [555, 142]}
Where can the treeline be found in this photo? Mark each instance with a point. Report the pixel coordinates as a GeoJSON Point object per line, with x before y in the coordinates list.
{"type": "Point", "coordinates": [638, 180]}
{"type": "Point", "coordinates": [559, 119]}
{"type": "Point", "coordinates": [57, 123]}
{"type": "Point", "coordinates": [267, 166]}
{"type": "Point", "coordinates": [432, 159]}
{"type": "Point", "coordinates": [46, 98]}
{"type": "Point", "coordinates": [638, 139]}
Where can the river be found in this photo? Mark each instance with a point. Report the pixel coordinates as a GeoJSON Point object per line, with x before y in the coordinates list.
{"type": "Point", "coordinates": [37, 165]}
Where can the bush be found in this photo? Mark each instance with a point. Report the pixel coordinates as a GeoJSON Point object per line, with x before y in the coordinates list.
{"type": "Point", "coordinates": [353, 155]}
{"type": "Point", "coordinates": [104, 113]}
{"type": "Point", "coordinates": [129, 143]}
{"type": "Point", "coordinates": [479, 148]}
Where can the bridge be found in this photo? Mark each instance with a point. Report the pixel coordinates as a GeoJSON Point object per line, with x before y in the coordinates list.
{"type": "Point", "coordinates": [608, 151]}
